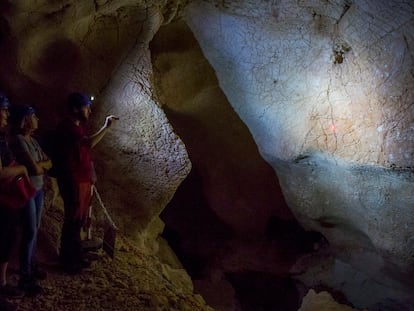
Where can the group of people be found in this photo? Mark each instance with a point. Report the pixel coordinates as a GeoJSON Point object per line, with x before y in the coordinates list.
{"type": "Point", "coordinates": [69, 162]}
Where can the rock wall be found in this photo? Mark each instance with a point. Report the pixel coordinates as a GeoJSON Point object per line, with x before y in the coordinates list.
{"type": "Point", "coordinates": [326, 91]}
{"type": "Point", "coordinates": [219, 216]}
{"type": "Point", "coordinates": [309, 76]}
{"type": "Point", "coordinates": [237, 184]}
{"type": "Point", "coordinates": [49, 49]}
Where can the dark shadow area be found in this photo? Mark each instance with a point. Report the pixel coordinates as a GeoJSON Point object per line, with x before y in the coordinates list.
{"type": "Point", "coordinates": [192, 229]}
{"type": "Point", "coordinates": [60, 56]}
{"type": "Point", "coordinates": [292, 239]}
{"type": "Point", "coordinates": [261, 291]}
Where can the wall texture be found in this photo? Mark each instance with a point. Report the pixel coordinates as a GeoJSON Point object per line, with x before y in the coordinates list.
{"type": "Point", "coordinates": [324, 87]}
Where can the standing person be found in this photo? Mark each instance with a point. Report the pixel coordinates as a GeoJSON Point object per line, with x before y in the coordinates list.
{"type": "Point", "coordinates": [73, 168]}
{"type": "Point", "coordinates": [8, 217]}
{"type": "Point", "coordinates": [29, 153]}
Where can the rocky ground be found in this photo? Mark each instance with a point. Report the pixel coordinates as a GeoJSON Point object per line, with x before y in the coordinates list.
{"type": "Point", "coordinates": [130, 281]}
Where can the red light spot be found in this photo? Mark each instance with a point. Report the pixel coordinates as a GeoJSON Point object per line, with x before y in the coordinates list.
{"type": "Point", "coordinates": [333, 127]}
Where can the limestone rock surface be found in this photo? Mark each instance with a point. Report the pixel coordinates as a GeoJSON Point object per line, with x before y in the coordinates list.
{"type": "Point", "coordinates": [321, 301]}
{"type": "Point", "coordinates": [325, 89]}
{"type": "Point", "coordinates": [306, 76]}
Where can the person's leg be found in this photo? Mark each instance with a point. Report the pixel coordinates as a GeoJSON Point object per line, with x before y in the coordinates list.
{"type": "Point", "coordinates": [28, 238]}
{"type": "Point", "coordinates": [8, 224]}
{"type": "Point", "coordinates": [37, 273]}
{"type": "Point", "coordinates": [39, 202]}
{"type": "Point", "coordinates": [70, 243]}
{"type": "Point", "coordinates": [85, 197]}
{"type": "Point", "coordinates": [31, 222]}
{"type": "Point", "coordinates": [66, 242]}
{"type": "Point", "coordinates": [71, 248]}
{"type": "Point", "coordinates": [6, 305]}
{"type": "Point", "coordinates": [3, 247]}
{"type": "Point", "coordinates": [6, 289]}
{"type": "Point", "coordinates": [29, 230]}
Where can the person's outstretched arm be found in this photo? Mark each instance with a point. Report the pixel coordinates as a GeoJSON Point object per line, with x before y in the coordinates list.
{"type": "Point", "coordinates": [96, 138]}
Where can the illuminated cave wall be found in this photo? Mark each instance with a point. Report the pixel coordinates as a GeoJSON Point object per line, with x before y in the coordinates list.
{"type": "Point", "coordinates": [326, 91]}
{"type": "Point", "coordinates": [330, 76]}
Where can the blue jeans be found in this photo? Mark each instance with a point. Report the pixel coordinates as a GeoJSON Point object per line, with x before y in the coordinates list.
{"type": "Point", "coordinates": [31, 215]}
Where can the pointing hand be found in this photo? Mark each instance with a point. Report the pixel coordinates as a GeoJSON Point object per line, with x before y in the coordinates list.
{"type": "Point", "coordinates": [109, 120]}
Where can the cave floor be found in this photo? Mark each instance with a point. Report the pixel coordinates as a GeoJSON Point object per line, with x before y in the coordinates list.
{"type": "Point", "coordinates": [130, 281]}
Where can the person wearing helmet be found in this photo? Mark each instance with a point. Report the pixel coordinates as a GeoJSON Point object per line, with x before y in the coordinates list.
{"type": "Point", "coordinates": [29, 152]}
{"type": "Point", "coordinates": [8, 217]}
{"type": "Point", "coordinates": [72, 167]}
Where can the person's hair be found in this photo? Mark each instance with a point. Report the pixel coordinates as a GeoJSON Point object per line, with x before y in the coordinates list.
{"type": "Point", "coordinates": [18, 116]}
{"type": "Point", "coordinates": [77, 100]}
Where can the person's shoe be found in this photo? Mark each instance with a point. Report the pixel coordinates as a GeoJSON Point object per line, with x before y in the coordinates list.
{"type": "Point", "coordinates": [30, 287]}
{"type": "Point", "coordinates": [85, 263]}
{"type": "Point", "coordinates": [6, 305]}
{"type": "Point", "coordinates": [11, 291]}
{"type": "Point", "coordinates": [33, 290]}
{"type": "Point", "coordinates": [38, 273]}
